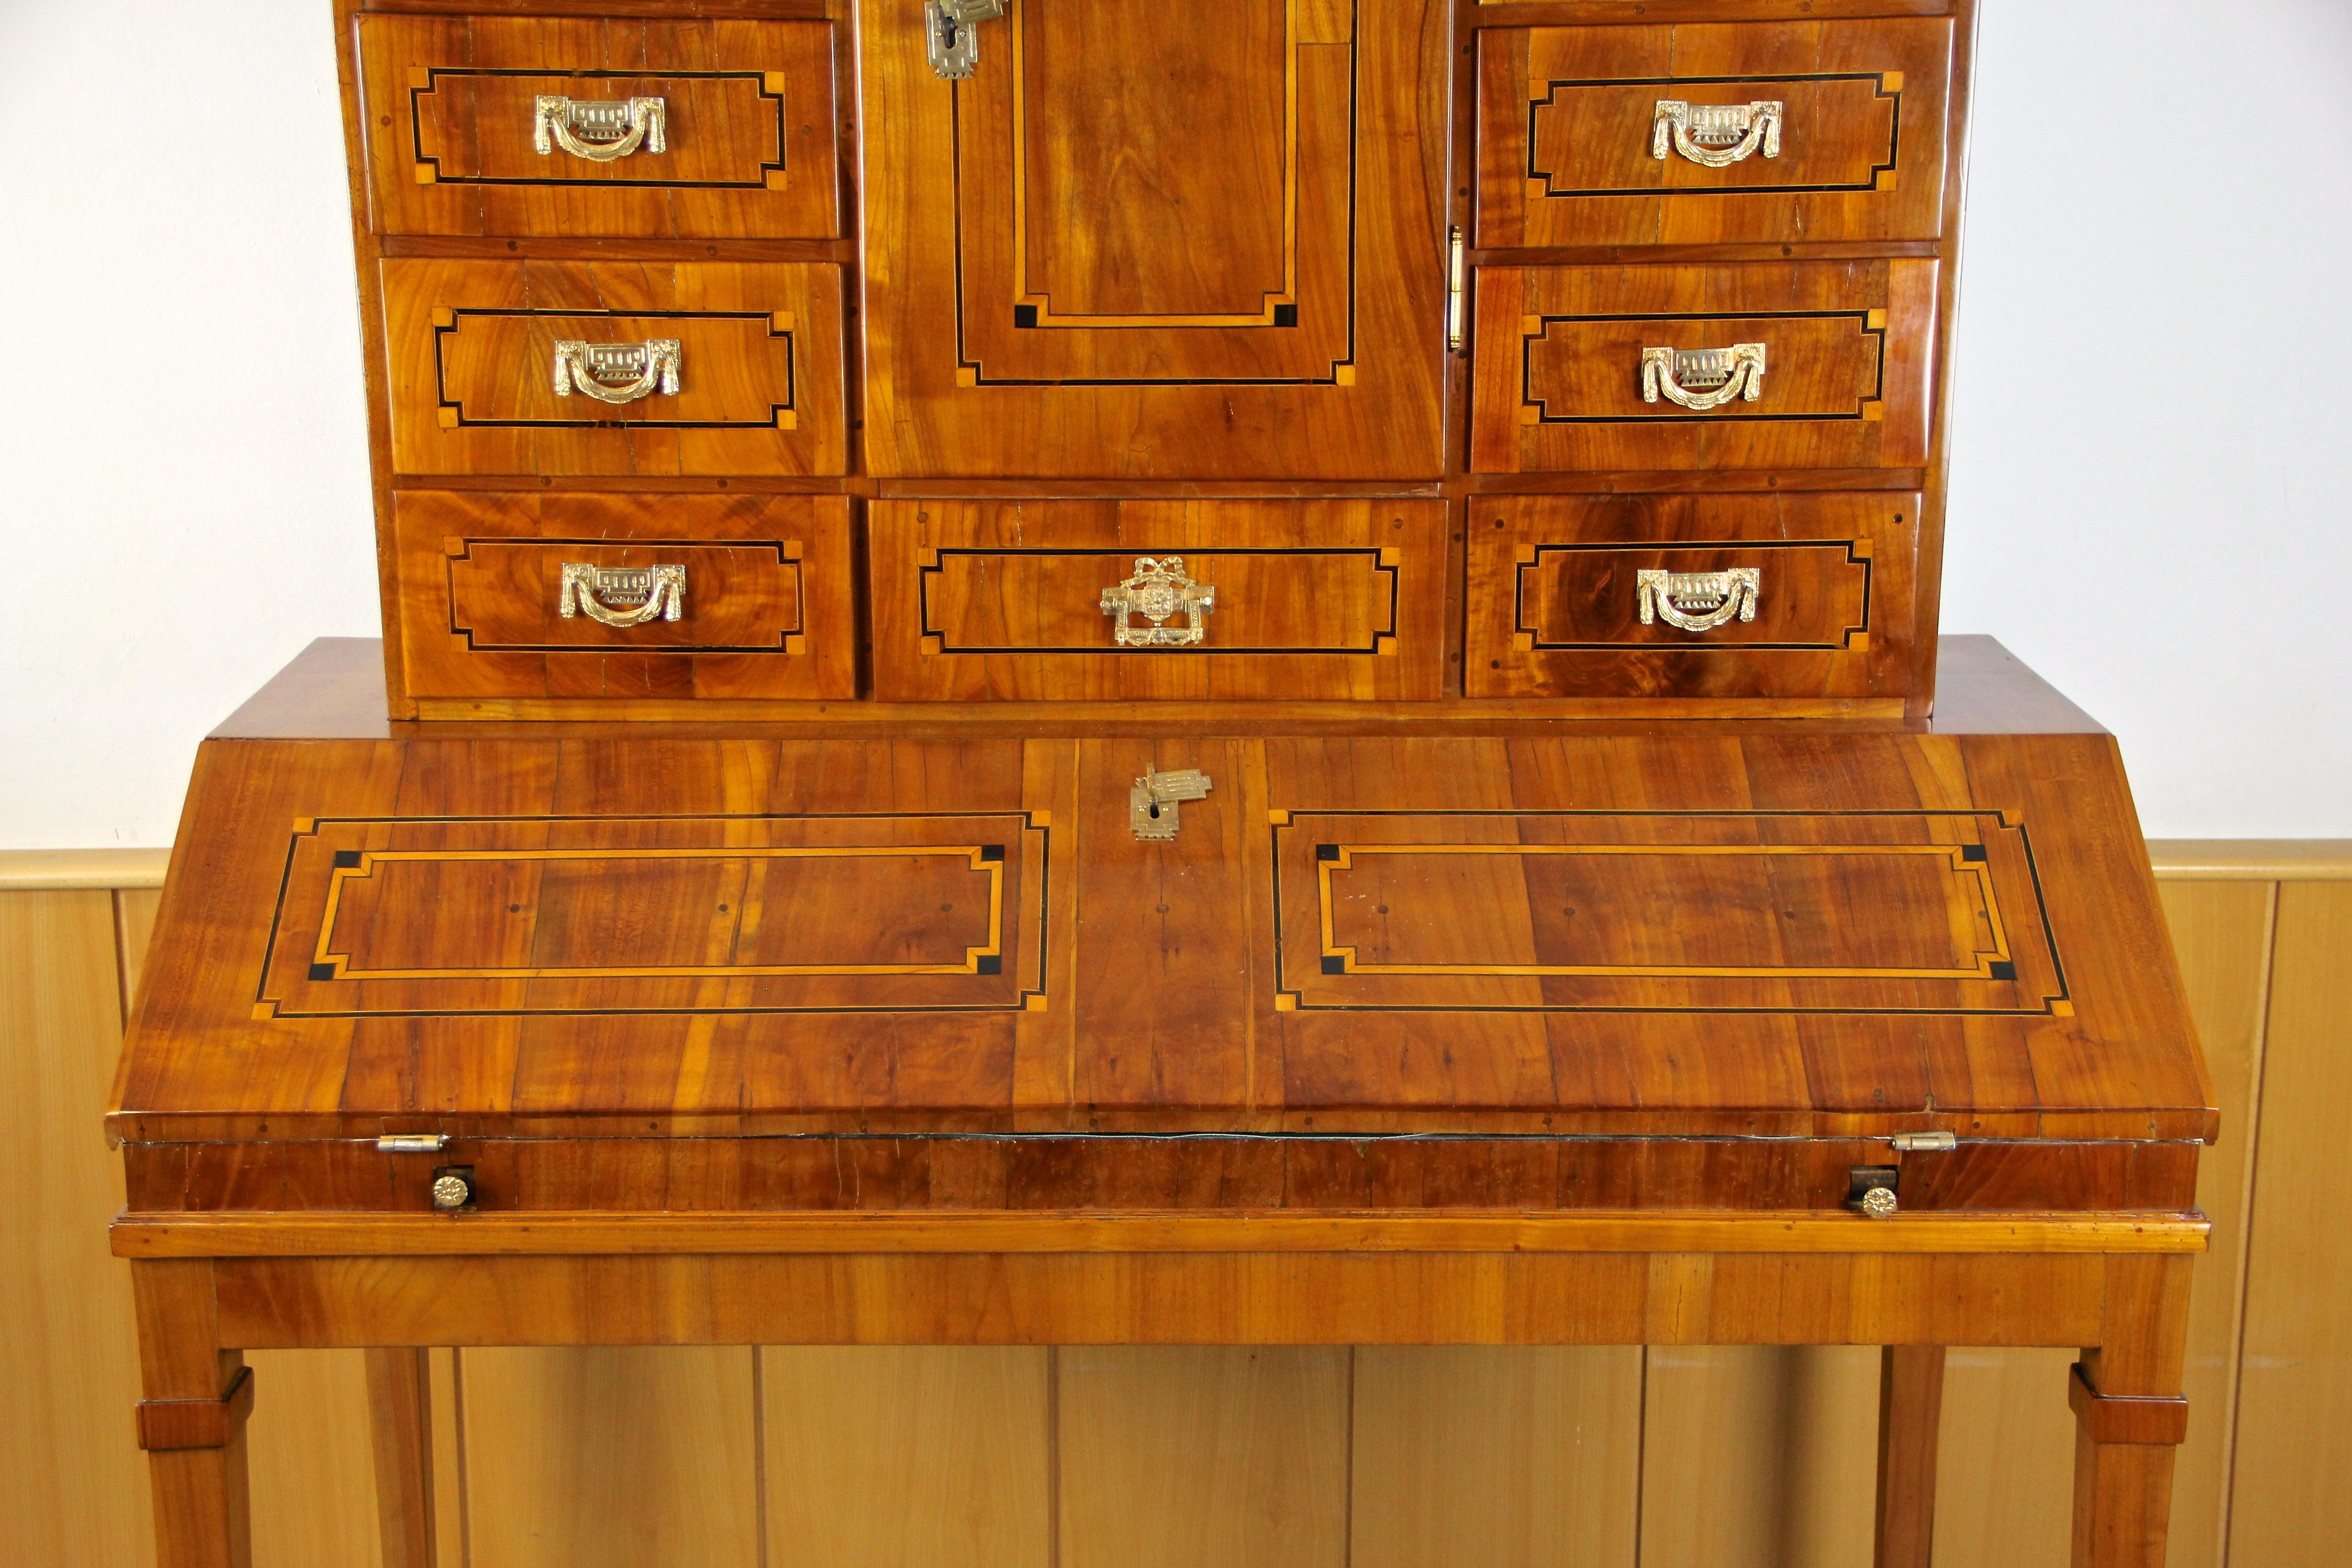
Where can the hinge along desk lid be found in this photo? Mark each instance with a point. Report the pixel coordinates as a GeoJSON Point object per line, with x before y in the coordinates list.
{"type": "Point", "coordinates": [700, 961]}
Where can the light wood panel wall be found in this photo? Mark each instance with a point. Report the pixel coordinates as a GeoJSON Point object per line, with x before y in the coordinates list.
{"type": "Point", "coordinates": [1107, 1458]}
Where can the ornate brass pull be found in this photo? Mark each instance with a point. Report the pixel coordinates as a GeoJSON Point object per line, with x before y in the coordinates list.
{"type": "Point", "coordinates": [598, 132]}
{"type": "Point", "coordinates": [656, 593]}
{"type": "Point", "coordinates": [1697, 601]}
{"type": "Point", "coordinates": [1157, 591]}
{"type": "Point", "coordinates": [952, 28]}
{"type": "Point", "coordinates": [1151, 804]}
{"type": "Point", "coordinates": [616, 372]}
{"type": "Point", "coordinates": [1701, 379]}
{"type": "Point", "coordinates": [1715, 135]}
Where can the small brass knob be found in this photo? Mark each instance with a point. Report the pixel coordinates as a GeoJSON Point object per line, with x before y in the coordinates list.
{"type": "Point", "coordinates": [1879, 1202]}
{"type": "Point", "coordinates": [451, 1191]}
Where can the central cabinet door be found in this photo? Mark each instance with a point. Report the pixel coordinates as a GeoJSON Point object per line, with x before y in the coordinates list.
{"type": "Point", "coordinates": [1155, 238]}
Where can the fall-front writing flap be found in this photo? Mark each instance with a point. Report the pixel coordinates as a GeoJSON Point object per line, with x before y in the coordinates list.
{"type": "Point", "coordinates": [1699, 929]}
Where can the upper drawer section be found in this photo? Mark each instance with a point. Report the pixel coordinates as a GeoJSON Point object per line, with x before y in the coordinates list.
{"type": "Point", "coordinates": [1819, 365]}
{"type": "Point", "coordinates": [1752, 130]}
{"type": "Point", "coordinates": [539, 367]}
{"type": "Point", "coordinates": [598, 128]}
{"type": "Point", "coordinates": [1109, 599]}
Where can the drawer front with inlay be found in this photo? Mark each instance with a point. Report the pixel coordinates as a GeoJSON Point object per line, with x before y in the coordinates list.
{"type": "Point", "coordinates": [539, 367]}
{"type": "Point", "coordinates": [1758, 365]}
{"type": "Point", "coordinates": [624, 597]}
{"type": "Point", "coordinates": [1043, 600]}
{"type": "Point", "coordinates": [1769, 595]}
{"type": "Point", "coordinates": [1696, 135]}
{"type": "Point", "coordinates": [593, 128]}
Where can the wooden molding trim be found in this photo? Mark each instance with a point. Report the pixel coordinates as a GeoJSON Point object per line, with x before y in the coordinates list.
{"type": "Point", "coordinates": [2160, 1420]}
{"type": "Point", "coordinates": [583, 1235]}
{"type": "Point", "coordinates": [167, 1424]}
{"type": "Point", "coordinates": [2175, 859]}
{"type": "Point", "coordinates": [2251, 859]}
{"type": "Point", "coordinates": [35, 871]}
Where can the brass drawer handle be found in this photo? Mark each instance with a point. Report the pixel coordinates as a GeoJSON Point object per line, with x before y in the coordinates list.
{"type": "Point", "coordinates": [1697, 600]}
{"type": "Point", "coordinates": [1701, 379]}
{"type": "Point", "coordinates": [1715, 135]}
{"type": "Point", "coordinates": [1157, 591]}
{"type": "Point", "coordinates": [616, 372]}
{"type": "Point", "coordinates": [600, 132]}
{"type": "Point", "coordinates": [655, 592]}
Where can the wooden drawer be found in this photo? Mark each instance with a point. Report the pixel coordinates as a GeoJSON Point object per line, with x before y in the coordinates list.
{"type": "Point", "coordinates": [1556, 595]}
{"type": "Point", "coordinates": [764, 607]}
{"type": "Point", "coordinates": [452, 127]}
{"type": "Point", "coordinates": [1574, 147]}
{"type": "Point", "coordinates": [473, 348]}
{"type": "Point", "coordinates": [1004, 599]}
{"type": "Point", "coordinates": [1562, 385]}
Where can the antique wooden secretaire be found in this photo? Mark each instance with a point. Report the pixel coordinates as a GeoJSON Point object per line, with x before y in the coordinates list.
{"type": "Point", "coordinates": [1080, 671]}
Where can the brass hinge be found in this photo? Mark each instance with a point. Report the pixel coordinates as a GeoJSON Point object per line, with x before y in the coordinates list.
{"type": "Point", "coordinates": [411, 1143]}
{"type": "Point", "coordinates": [953, 29]}
{"type": "Point", "coordinates": [1457, 295]}
{"type": "Point", "coordinates": [1925, 1143]}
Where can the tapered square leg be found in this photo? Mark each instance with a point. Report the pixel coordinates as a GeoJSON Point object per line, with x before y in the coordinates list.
{"type": "Point", "coordinates": [2129, 1417]}
{"type": "Point", "coordinates": [400, 1421]}
{"type": "Point", "coordinates": [191, 1419]}
{"type": "Point", "coordinates": [1910, 1409]}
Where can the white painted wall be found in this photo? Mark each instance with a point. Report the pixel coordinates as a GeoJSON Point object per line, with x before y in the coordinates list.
{"type": "Point", "coordinates": [2152, 495]}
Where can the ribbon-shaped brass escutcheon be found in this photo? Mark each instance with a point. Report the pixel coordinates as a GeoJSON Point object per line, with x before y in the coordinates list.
{"type": "Point", "coordinates": [1157, 591]}
{"type": "Point", "coordinates": [1715, 135]}
{"type": "Point", "coordinates": [1702, 379]}
{"type": "Point", "coordinates": [617, 372]}
{"type": "Point", "coordinates": [601, 133]}
{"type": "Point", "coordinates": [621, 596]}
{"type": "Point", "coordinates": [1697, 600]}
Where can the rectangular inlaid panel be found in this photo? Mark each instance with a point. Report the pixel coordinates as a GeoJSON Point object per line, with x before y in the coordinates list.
{"type": "Point", "coordinates": [658, 914]}
{"type": "Point", "coordinates": [1067, 274]}
{"type": "Point", "coordinates": [763, 599]}
{"type": "Point", "coordinates": [1564, 382]}
{"type": "Point", "coordinates": [1282, 599]}
{"type": "Point", "coordinates": [1601, 135]}
{"type": "Point", "coordinates": [1685, 912]}
{"type": "Point", "coordinates": [475, 386]}
{"type": "Point", "coordinates": [1124, 247]}
{"type": "Point", "coordinates": [456, 144]}
{"type": "Point", "coordinates": [1736, 596]}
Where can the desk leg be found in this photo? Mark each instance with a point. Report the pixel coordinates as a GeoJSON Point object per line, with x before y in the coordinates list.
{"type": "Point", "coordinates": [191, 1415]}
{"type": "Point", "coordinates": [399, 1415]}
{"type": "Point", "coordinates": [2129, 1417]}
{"type": "Point", "coordinates": [1910, 1407]}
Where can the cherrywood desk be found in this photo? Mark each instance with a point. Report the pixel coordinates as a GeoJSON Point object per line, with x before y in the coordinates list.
{"type": "Point", "coordinates": [1149, 1173]}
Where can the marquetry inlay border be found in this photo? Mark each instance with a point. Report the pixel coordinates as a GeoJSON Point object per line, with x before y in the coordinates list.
{"type": "Point", "coordinates": [769, 173]}
{"type": "Point", "coordinates": [305, 952]}
{"type": "Point", "coordinates": [1385, 562]}
{"type": "Point", "coordinates": [1889, 89]}
{"type": "Point", "coordinates": [791, 637]}
{"type": "Point", "coordinates": [1031, 307]}
{"type": "Point", "coordinates": [1853, 637]}
{"type": "Point", "coordinates": [2019, 967]}
{"type": "Point", "coordinates": [449, 321]}
{"type": "Point", "coordinates": [1870, 324]}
